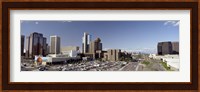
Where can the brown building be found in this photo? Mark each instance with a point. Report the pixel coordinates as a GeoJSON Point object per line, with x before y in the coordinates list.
{"type": "Point", "coordinates": [168, 48]}
{"type": "Point", "coordinates": [175, 47]}
{"type": "Point", "coordinates": [69, 48]}
{"type": "Point", "coordinates": [95, 45]}
{"type": "Point", "coordinates": [112, 55]}
{"type": "Point", "coordinates": [96, 48]}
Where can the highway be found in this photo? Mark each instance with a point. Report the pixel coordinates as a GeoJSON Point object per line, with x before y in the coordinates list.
{"type": "Point", "coordinates": [131, 66]}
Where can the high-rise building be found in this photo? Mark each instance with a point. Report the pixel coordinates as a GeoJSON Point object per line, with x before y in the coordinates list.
{"type": "Point", "coordinates": [168, 48]}
{"type": "Point", "coordinates": [175, 47]}
{"type": "Point", "coordinates": [35, 45]}
{"type": "Point", "coordinates": [96, 48]}
{"type": "Point", "coordinates": [55, 44]}
{"type": "Point", "coordinates": [27, 45]}
{"type": "Point", "coordinates": [44, 50]}
{"type": "Point", "coordinates": [22, 45]}
{"type": "Point", "coordinates": [48, 49]}
{"type": "Point", "coordinates": [95, 45]}
{"type": "Point", "coordinates": [86, 41]}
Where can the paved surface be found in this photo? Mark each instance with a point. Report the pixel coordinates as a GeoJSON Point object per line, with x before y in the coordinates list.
{"type": "Point", "coordinates": [83, 66]}
{"type": "Point", "coordinates": [131, 66]}
{"type": "Point", "coordinates": [154, 65]}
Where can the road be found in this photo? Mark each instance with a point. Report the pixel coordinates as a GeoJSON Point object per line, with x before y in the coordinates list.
{"type": "Point", "coordinates": [154, 65]}
{"type": "Point", "coordinates": [131, 66]}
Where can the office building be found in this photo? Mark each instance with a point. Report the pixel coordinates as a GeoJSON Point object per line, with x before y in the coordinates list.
{"type": "Point", "coordinates": [112, 55]}
{"type": "Point", "coordinates": [73, 53]}
{"type": "Point", "coordinates": [70, 51]}
{"type": "Point", "coordinates": [22, 45]}
{"type": "Point", "coordinates": [168, 48]}
{"type": "Point", "coordinates": [48, 49]}
{"type": "Point", "coordinates": [27, 45]}
{"type": "Point", "coordinates": [175, 47]}
{"type": "Point", "coordinates": [55, 44]}
{"type": "Point", "coordinates": [86, 41]}
{"type": "Point", "coordinates": [69, 48]}
{"type": "Point", "coordinates": [35, 45]}
{"type": "Point", "coordinates": [95, 45]}
{"type": "Point", "coordinates": [44, 50]}
{"type": "Point", "coordinates": [96, 48]}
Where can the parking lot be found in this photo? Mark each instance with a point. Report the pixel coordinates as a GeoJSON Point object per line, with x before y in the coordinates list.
{"type": "Point", "coordinates": [82, 66]}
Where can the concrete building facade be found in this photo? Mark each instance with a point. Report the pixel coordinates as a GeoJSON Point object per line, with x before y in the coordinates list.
{"type": "Point", "coordinates": [164, 48]}
{"type": "Point", "coordinates": [175, 47]}
{"type": "Point", "coordinates": [96, 48]}
{"type": "Point", "coordinates": [69, 48]}
{"type": "Point", "coordinates": [112, 55]}
{"type": "Point", "coordinates": [27, 47]}
{"type": "Point", "coordinates": [55, 44]}
{"type": "Point", "coordinates": [70, 51]}
{"type": "Point", "coordinates": [95, 45]}
{"type": "Point", "coordinates": [86, 41]}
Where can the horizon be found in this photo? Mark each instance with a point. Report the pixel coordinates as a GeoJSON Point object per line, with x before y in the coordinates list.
{"type": "Point", "coordinates": [113, 34]}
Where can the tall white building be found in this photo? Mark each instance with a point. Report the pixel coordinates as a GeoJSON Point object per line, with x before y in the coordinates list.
{"type": "Point", "coordinates": [55, 44]}
{"type": "Point", "coordinates": [86, 42]}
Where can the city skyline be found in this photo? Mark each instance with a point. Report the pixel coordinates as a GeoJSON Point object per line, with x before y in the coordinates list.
{"type": "Point", "coordinates": [144, 35]}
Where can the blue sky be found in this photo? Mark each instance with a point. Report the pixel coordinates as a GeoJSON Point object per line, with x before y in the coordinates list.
{"type": "Point", "coordinates": [126, 35]}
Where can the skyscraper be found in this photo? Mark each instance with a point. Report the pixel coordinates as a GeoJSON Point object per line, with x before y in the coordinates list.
{"type": "Point", "coordinates": [35, 45]}
{"type": "Point", "coordinates": [27, 45]}
{"type": "Point", "coordinates": [96, 48]}
{"type": "Point", "coordinates": [22, 45]}
{"type": "Point", "coordinates": [86, 41]}
{"type": "Point", "coordinates": [95, 45]}
{"type": "Point", "coordinates": [55, 44]}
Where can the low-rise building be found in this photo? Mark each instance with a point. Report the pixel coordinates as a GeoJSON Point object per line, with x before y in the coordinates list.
{"type": "Point", "coordinates": [112, 55]}
{"type": "Point", "coordinates": [164, 48]}
{"type": "Point", "coordinates": [171, 60]}
{"type": "Point", "coordinates": [70, 51]}
{"type": "Point", "coordinates": [69, 48]}
{"type": "Point", "coordinates": [39, 60]}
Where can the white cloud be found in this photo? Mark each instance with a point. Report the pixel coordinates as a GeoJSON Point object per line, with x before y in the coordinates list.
{"type": "Point", "coordinates": [171, 23]}
{"type": "Point", "coordinates": [176, 24]}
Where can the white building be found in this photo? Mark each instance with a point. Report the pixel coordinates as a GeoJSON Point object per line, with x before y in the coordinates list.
{"type": "Point", "coordinates": [171, 60]}
{"type": "Point", "coordinates": [86, 42]}
{"type": "Point", "coordinates": [39, 60]}
{"type": "Point", "coordinates": [72, 53]}
{"type": "Point", "coordinates": [55, 44]}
